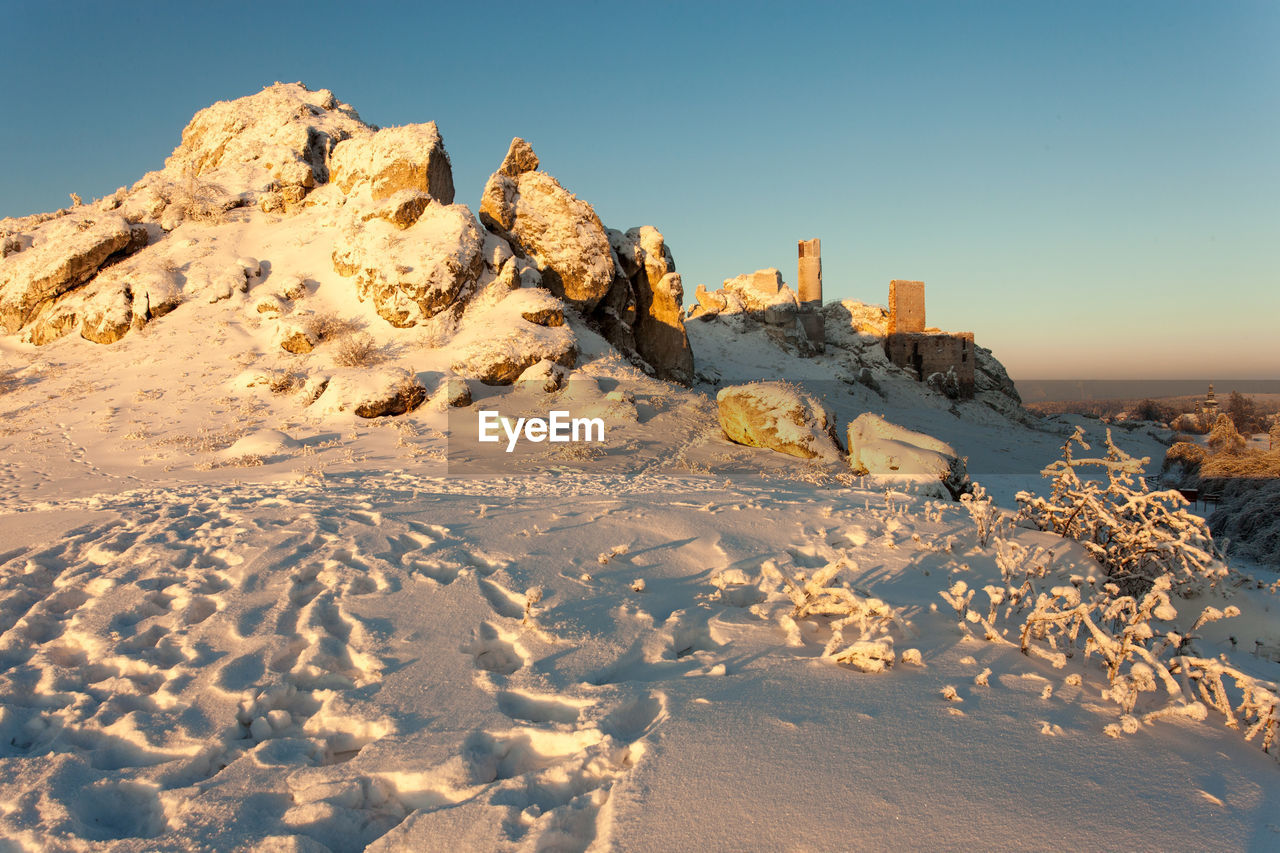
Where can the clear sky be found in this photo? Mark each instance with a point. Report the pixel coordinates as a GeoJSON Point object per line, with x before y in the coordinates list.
{"type": "Point", "coordinates": [1092, 188]}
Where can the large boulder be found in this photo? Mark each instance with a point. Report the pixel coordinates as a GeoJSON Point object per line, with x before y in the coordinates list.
{"type": "Point", "coordinates": [877, 446]}
{"type": "Point", "coordinates": [658, 324]}
{"type": "Point", "coordinates": [410, 273]}
{"type": "Point", "coordinates": [392, 160]}
{"type": "Point", "coordinates": [550, 225]}
{"type": "Point", "coordinates": [65, 252]}
{"type": "Point", "coordinates": [278, 140]}
{"type": "Point", "coordinates": [108, 313]}
{"type": "Point", "coordinates": [778, 416]}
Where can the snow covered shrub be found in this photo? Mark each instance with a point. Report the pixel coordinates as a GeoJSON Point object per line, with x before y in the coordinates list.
{"type": "Point", "coordinates": [286, 382]}
{"type": "Point", "coordinates": [1223, 437]}
{"type": "Point", "coordinates": [987, 518]}
{"type": "Point", "coordinates": [194, 199]}
{"type": "Point", "coordinates": [1136, 637]}
{"type": "Point", "coordinates": [358, 350]}
{"type": "Point", "coordinates": [1182, 463]}
{"type": "Point", "coordinates": [818, 595]}
{"type": "Point", "coordinates": [947, 384]}
{"type": "Point", "coordinates": [1136, 535]}
{"type": "Point", "coordinates": [328, 326]}
{"type": "Point", "coordinates": [1248, 517]}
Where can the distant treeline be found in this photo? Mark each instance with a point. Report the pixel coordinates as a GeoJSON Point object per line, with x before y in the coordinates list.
{"type": "Point", "coordinates": [1043, 390]}
{"type": "Point", "coordinates": [1249, 414]}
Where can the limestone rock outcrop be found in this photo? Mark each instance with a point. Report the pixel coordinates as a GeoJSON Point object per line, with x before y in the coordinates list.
{"type": "Point", "coordinates": [63, 254]}
{"type": "Point", "coordinates": [411, 273]}
{"type": "Point", "coordinates": [550, 225]}
{"type": "Point", "coordinates": [108, 316]}
{"type": "Point", "coordinates": [658, 294]}
{"type": "Point", "coordinates": [279, 140]}
{"type": "Point", "coordinates": [778, 416]}
{"type": "Point", "coordinates": [393, 160]}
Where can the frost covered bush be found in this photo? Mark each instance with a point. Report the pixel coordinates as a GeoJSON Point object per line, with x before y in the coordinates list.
{"type": "Point", "coordinates": [987, 518]}
{"type": "Point", "coordinates": [1135, 534]}
{"type": "Point", "coordinates": [1248, 517]}
{"type": "Point", "coordinates": [1136, 638]}
{"type": "Point", "coordinates": [848, 613]}
{"type": "Point", "coordinates": [194, 199]}
{"type": "Point", "coordinates": [357, 350]}
{"type": "Point", "coordinates": [1223, 437]}
{"type": "Point", "coordinates": [947, 384]}
{"type": "Point", "coordinates": [328, 326]}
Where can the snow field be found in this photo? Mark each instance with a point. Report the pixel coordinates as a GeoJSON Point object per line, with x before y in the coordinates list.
{"type": "Point", "coordinates": [398, 662]}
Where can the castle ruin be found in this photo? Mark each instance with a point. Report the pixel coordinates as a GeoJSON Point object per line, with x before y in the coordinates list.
{"type": "Point", "coordinates": [809, 278]}
{"type": "Point", "coordinates": [927, 352]}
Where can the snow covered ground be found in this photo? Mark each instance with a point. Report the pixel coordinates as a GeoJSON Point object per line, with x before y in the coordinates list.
{"type": "Point", "coordinates": [345, 647]}
{"type": "Point", "coordinates": [236, 616]}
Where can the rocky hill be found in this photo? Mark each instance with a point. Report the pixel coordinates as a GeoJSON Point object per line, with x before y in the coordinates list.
{"type": "Point", "coordinates": [302, 263]}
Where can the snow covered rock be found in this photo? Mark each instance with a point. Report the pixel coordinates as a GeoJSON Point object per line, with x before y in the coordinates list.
{"type": "Point", "coordinates": [108, 314]}
{"type": "Point", "coordinates": [778, 416]}
{"type": "Point", "coordinates": [53, 320]}
{"type": "Point", "coordinates": [757, 290]}
{"type": "Point", "coordinates": [547, 223]}
{"type": "Point", "coordinates": [658, 328]}
{"type": "Point", "coordinates": [64, 253]}
{"type": "Point", "coordinates": [372, 394]}
{"type": "Point", "coordinates": [413, 273]}
{"type": "Point", "coordinates": [877, 446]}
{"type": "Point", "coordinates": [277, 141]}
{"type": "Point", "coordinates": [501, 359]}
{"type": "Point", "coordinates": [545, 376]}
{"type": "Point", "coordinates": [392, 160]}
{"type": "Point", "coordinates": [267, 445]}
{"type": "Point", "coordinates": [296, 338]}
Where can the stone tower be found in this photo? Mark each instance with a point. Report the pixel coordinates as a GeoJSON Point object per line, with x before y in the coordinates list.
{"type": "Point", "coordinates": [906, 306]}
{"type": "Point", "coordinates": [810, 274]}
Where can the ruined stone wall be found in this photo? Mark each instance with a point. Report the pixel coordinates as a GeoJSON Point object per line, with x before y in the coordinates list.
{"type": "Point", "coordinates": [929, 353]}
{"type": "Point", "coordinates": [906, 306]}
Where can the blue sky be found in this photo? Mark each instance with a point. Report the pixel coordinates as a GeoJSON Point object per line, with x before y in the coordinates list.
{"type": "Point", "coordinates": [1092, 188]}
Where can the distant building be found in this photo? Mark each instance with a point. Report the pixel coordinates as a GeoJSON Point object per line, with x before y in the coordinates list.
{"type": "Point", "coordinates": [1210, 404]}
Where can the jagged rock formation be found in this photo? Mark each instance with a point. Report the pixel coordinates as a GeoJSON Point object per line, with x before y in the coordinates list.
{"type": "Point", "coordinates": [272, 148]}
{"type": "Point", "coordinates": [58, 256]}
{"type": "Point", "coordinates": [273, 151]}
{"type": "Point", "coordinates": [645, 263]}
{"type": "Point", "coordinates": [624, 282]}
{"type": "Point", "coordinates": [550, 225]}
{"type": "Point", "coordinates": [386, 197]}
